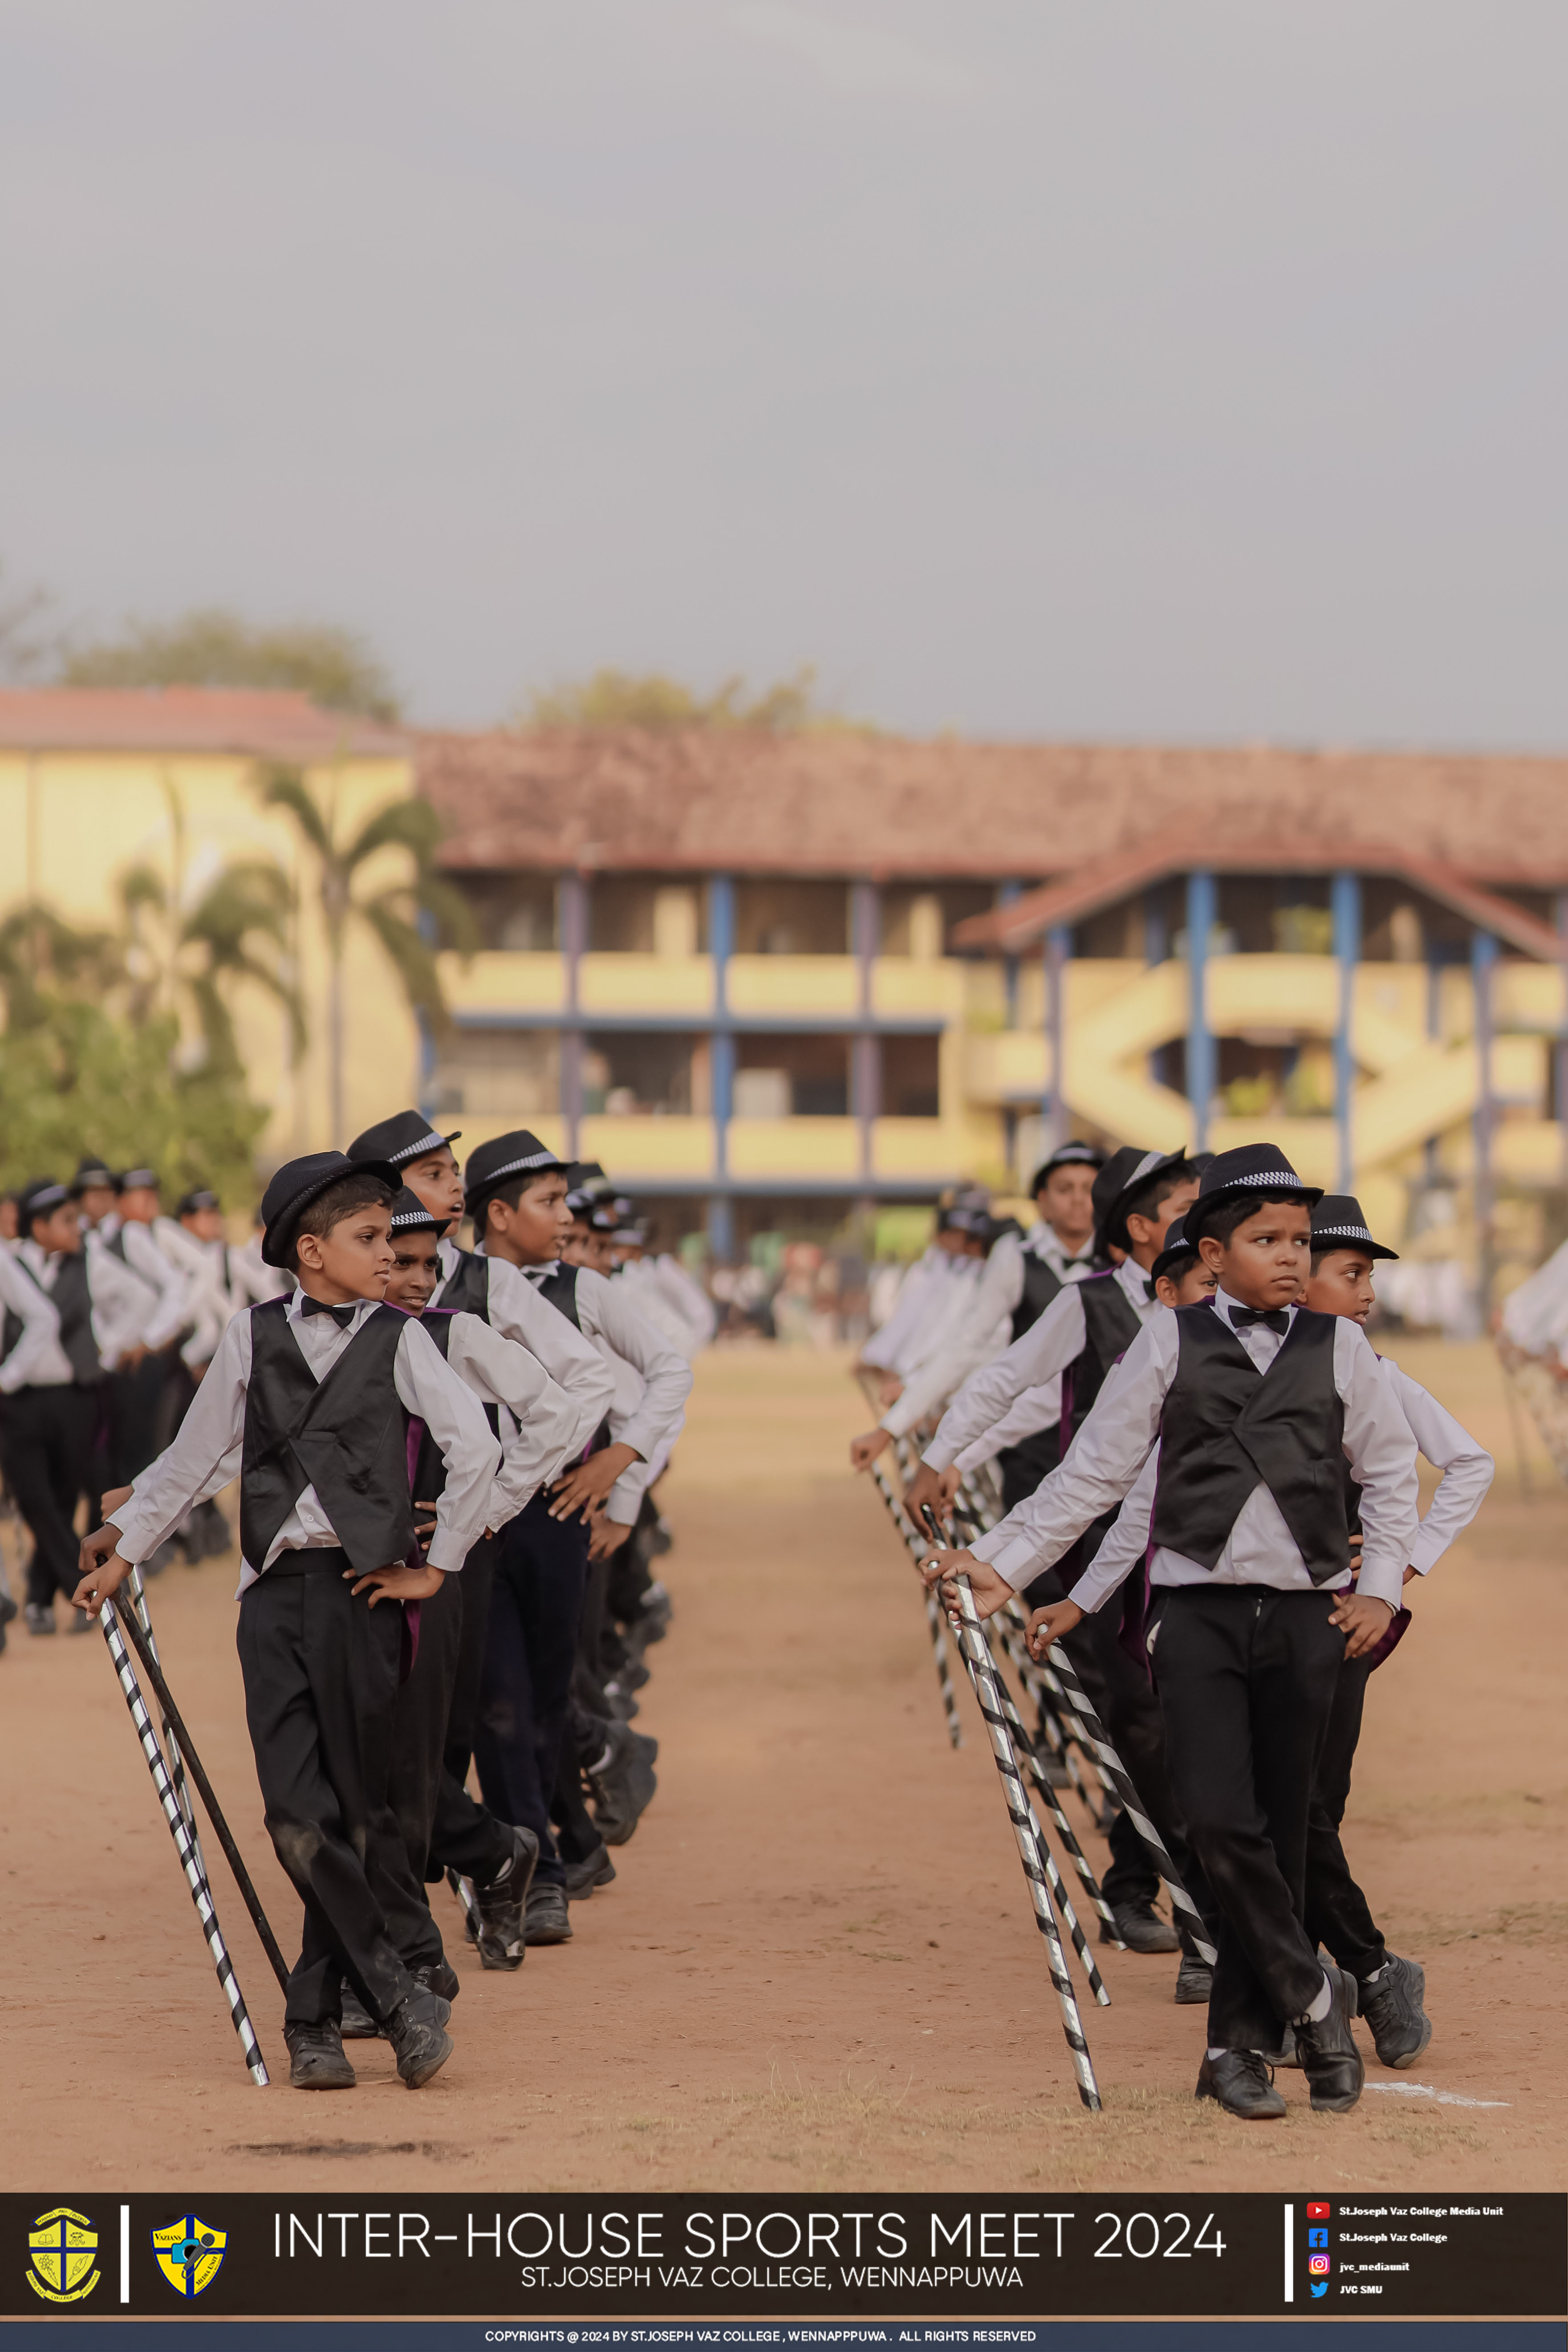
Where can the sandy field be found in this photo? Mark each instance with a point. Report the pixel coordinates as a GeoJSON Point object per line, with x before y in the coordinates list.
{"type": "Point", "coordinates": [821, 1889]}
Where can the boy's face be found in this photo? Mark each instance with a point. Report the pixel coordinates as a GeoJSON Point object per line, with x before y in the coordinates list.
{"type": "Point", "coordinates": [96, 1201]}
{"type": "Point", "coordinates": [416, 1271]}
{"type": "Point", "coordinates": [60, 1230]}
{"type": "Point", "coordinates": [535, 1231]}
{"type": "Point", "coordinates": [583, 1246]}
{"type": "Point", "coordinates": [956, 1244]}
{"type": "Point", "coordinates": [1147, 1234]}
{"type": "Point", "coordinates": [1065, 1203]}
{"type": "Point", "coordinates": [1266, 1259]}
{"type": "Point", "coordinates": [1198, 1282]}
{"type": "Point", "coordinates": [139, 1206]}
{"type": "Point", "coordinates": [436, 1183]}
{"type": "Point", "coordinates": [353, 1261]}
{"type": "Point", "coordinates": [1341, 1285]}
{"type": "Point", "coordinates": [206, 1224]}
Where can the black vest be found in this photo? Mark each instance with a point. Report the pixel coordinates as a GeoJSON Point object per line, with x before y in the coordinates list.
{"type": "Point", "coordinates": [560, 1289]}
{"type": "Point", "coordinates": [1110, 1324]}
{"type": "Point", "coordinates": [116, 1246]}
{"type": "Point", "coordinates": [466, 1289]}
{"type": "Point", "coordinates": [429, 1468]}
{"type": "Point", "coordinates": [347, 1436]}
{"type": "Point", "coordinates": [1226, 1428]}
{"type": "Point", "coordinates": [73, 1300]}
{"type": "Point", "coordinates": [1041, 1284]}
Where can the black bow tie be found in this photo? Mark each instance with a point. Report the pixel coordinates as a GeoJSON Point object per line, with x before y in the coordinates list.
{"type": "Point", "coordinates": [342, 1316]}
{"type": "Point", "coordinates": [1276, 1318]}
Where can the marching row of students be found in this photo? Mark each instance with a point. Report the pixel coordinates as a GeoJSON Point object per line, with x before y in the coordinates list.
{"type": "Point", "coordinates": [1210, 1496]}
{"type": "Point", "coordinates": [446, 1537]}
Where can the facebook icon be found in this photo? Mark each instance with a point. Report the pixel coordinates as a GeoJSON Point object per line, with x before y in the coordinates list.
{"type": "Point", "coordinates": [1317, 2237]}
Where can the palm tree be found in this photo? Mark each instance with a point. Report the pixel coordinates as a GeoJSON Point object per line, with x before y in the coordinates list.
{"type": "Point", "coordinates": [235, 930]}
{"type": "Point", "coordinates": [413, 919]}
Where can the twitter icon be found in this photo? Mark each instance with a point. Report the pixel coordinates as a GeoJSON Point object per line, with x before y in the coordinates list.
{"type": "Point", "coordinates": [1320, 2286]}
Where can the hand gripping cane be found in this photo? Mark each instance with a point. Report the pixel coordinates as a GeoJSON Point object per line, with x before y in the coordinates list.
{"type": "Point", "coordinates": [1026, 1830]}
{"type": "Point", "coordinates": [900, 1519]}
{"type": "Point", "coordinates": [1132, 1804]}
{"type": "Point", "coordinates": [195, 1878]}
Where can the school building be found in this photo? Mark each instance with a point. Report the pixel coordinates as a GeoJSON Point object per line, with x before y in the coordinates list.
{"type": "Point", "coordinates": [770, 980]}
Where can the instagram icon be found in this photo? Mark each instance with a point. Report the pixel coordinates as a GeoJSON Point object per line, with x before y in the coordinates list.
{"type": "Point", "coordinates": [1318, 2264]}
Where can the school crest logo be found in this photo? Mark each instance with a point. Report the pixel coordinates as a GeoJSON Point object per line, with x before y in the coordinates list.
{"type": "Point", "coordinates": [190, 2253]}
{"type": "Point", "coordinates": [64, 2248]}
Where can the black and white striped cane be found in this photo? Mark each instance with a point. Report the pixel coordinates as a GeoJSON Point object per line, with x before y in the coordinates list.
{"type": "Point", "coordinates": [1132, 1805]}
{"type": "Point", "coordinates": [196, 1877]}
{"type": "Point", "coordinates": [907, 1530]}
{"type": "Point", "coordinates": [138, 1591]}
{"type": "Point", "coordinates": [1064, 1828]}
{"type": "Point", "coordinates": [1026, 1832]}
{"type": "Point", "coordinates": [1059, 1726]}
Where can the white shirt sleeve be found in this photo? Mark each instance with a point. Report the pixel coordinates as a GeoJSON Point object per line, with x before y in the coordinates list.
{"type": "Point", "coordinates": [1468, 1469]}
{"type": "Point", "coordinates": [568, 1355]}
{"type": "Point", "coordinates": [501, 1372]}
{"type": "Point", "coordinates": [1100, 1466]}
{"type": "Point", "coordinates": [884, 1348]}
{"type": "Point", "coordinates": [1126, 1543]}
{"type": "Point", "coordinates": [205, 1454]}
{"type": "Point", "coordinates": [145, 1258]}
{"type": "Point", "coordinates": [1380, 1452]}
{"type": "Point", "coordinates": [124, 1308]}
{"type": "Point", "coordinates": [426, 1385]}
{"type": "Point", "coordinates": [1036, 1409]}
{"type": "Point", "coordinates": [660, 1413]}
{"type": "Point", "coordinates": [977, 1339]}
{"type": "Point", "coordinates": [40, 1323]}
{"type": "Point", "coordinates": [1041, 1357]}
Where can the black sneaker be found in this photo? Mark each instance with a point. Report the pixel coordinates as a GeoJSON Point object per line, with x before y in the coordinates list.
{"type": "Point", "coordinates": [582, 1877]}
{"type": "Point", "coordinates": [7, 1610]}
{"type": "Point", "coordinates": [1141, 1929]}
{"type": "Point", "coordinates": [622, 1706]}
{"type": "Point", "coordinates": [622, 1781]}
{"type": "Point", "coordinates": [1401, 2028]}
{"type": "Point", "coordinates": [546, 1921]}
{"type": "Point", "coordinates": [417, 2032]}
{"type": "Point", "coordinates": [316, 2060]}
{"type": "Point", "coordinates": [40, 1620]}
{"type": "Point", "coordinates": [357, 2024]}
{"type": "Point", "coordinates": [1328, 2057]}
{"type": "Point", "coordinates": [438, 1976]}
{"type": "Point", "coordinates": [1242, 2083]}
{"type": "Point", "coordinates": [1288, 2053]}
{"type": "Point", "coordinates": [1194, 1982]}
{"type": "Point", "coordinates": [501, 1902]}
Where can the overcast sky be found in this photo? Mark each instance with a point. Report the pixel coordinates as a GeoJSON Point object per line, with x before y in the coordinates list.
{"type": "Point", "coordinates": [1187, 368]}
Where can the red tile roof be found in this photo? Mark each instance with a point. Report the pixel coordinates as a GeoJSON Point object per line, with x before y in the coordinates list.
{"type": "Point", "coordinates": [878, 806]}
{"type": "Point", "coordinates": [287, 727]}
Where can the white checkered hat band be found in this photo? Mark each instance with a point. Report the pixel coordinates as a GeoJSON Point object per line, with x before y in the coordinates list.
{"type": "Point", "coordinates": [431, 1142]}
{"type": "Point", "coordinates": [1283, 1179]}
{"type": "Point", "coordinates": [1341, 1234]}
{"type": "Point", "coordinates": [516, 1167]}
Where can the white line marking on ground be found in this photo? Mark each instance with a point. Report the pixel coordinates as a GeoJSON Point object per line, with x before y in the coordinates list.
{"type": "Point", "coordinates": [1444, 2098]}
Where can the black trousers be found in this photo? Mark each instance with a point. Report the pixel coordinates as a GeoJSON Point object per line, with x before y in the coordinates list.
{"type": "Point", "coordinates": [320, 1690]}
{"type": "Point", "coordinates": [1122, 1696]}
{"type": "Point", "coordinates": [136, 1416]}
{"type": "Point", "coordinates": [530, 1647]}
{"type": "Point", "coordinates": [465, 1835]}
{"type": "Point", "coordinates": [1247, 1677]}
{"type": "Point", "coordinates": [47, 1438]}
{"type": "Point", "coordinates": [1338, 1916]}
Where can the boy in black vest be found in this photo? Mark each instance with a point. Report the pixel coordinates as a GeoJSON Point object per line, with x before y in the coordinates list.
{"type": "Point", "coordinates": [310, 1399]}
{"type": "Point", "coordinates": [1253, 1400]}
{"type": "Point", "coordinates": [441, 1824]}
{"type": "Point", "coordinates": [70, 1319]}
{"type": "Point", "coordinates": [515, 1191]}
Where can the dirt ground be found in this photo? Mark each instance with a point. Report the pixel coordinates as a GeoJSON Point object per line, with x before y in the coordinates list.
{"type": "Point", "coordinates": [821, 1887]}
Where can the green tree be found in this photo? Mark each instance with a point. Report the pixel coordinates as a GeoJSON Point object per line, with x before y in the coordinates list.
{"type": "Point", "coordinates": [236, 930]}
{"type": "Point", "coordinates": [211, 647]}
{"type": "Point", "coordinates": [615, 697]}
{"type": "Point", "coordinates": [413, 919]}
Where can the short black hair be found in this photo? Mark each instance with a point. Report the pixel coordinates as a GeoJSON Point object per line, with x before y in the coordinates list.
{"type": "Point", "coordinates": [1340, 1249]}
{"type": "Point", "coordinates": [330, 1207]}
{"type": "Point", "coordinates": [1221, 1220]}
{"type": "Point", "coordinates": [512, 1190]}
{"type": "Point", "coordinates": [1146, 1199]}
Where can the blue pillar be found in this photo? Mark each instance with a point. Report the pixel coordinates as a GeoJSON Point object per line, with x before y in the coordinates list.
{"type": "Point", "coordinates": [1344, 904]}
{"type": "Point", "coordinates": [574, 930]}
{"type": "Point", "coordinates": [1007, 892]}
{"type": "Point", "coordinates": [1058, 953]}
{"type": "Point", "coordinates": [721, 1057]}
{"type": "Point", "coordinates": [1203, 1062]}
{"type": "Point", "coordinates": [1156, 947]}
{"type": "Point", "coordinates": [1483, 963]}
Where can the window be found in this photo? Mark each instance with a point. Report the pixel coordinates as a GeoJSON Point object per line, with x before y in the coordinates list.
{"type": "Point", "coordinates": [910, 1087]}
{"type": "Point", "coordinates": [511, 1074]}
{"type": "Point", "coordinates": [792, 918]}
{"type": "Point", "coordinates": [515, 912]}
{"type": "Point", "coordinates": [792, 1077]}
{"type": "Point", "coordinates": [632, 914]}
{"type": "Point", "coordinates": [639, 1073]}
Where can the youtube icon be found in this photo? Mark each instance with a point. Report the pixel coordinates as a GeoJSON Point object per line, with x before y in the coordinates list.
{"type": "Point", "coordinates": [1317, 2211]}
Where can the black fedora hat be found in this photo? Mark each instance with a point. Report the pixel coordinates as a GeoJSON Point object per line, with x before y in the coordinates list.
{"type": "Point", "coordinates": [1259, 1169]}
{"type": "Point", "coordinates": [92, 1176]}
{"type": "Point", "coordinates": [518, 1153]}
{"type": "Point", "coordinates": [1178, 1253]}
{"type": "Point", "coordinates": [407, 1135]}
{"type": "Point", "coordinates": [1066, 1155]}
{"type": "Point", "coordinates": [41, 1198]}
{"type": "Point", "coordinates": [1122, 1175]}
{"type": "Point", "coordinates": [1337, 1224]}
{"type": "Point", "coordinates": [409, 1215]}
{"type": "Point", "coordinates": [299, 1182]}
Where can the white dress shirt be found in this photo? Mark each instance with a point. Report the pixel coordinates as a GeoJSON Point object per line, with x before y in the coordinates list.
{"type": "Point", "coordinates": [985, 1332]}
{"type": "Point", "coordinates": [118, 1303]}
{"type": "Point", "coordinates": [1020, 1392]}
{"type": "Point", "coordinates": [169, 1285]}
{"type": "Point", "coordinates": [517, 1311]}
{"type": "Point", "coordinates": [207, 1452]}
{"type": "Point", "coordinates": [541, 1417]}
{"type": "Point", "coordinates": [37, 1360]}
{"type": "Point", "coordinates": [1103, 1461]}
{"type": "Point", "coordinates": [935, 1294]}
{"type": "Point", "coordinates": [662, 1290]}
{"type": "Point", "coordinates": [251, 1281]}
{"type": "Point", "coordinates": [647, 1413]}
